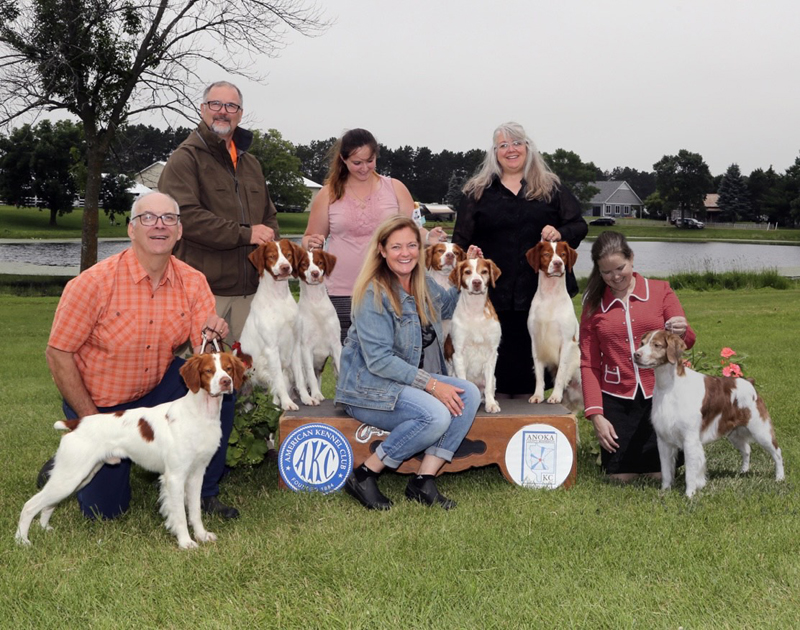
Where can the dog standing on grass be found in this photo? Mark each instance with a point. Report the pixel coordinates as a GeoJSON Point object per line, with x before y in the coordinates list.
{"type": "Point", "coordinates": [177, 439]}
{"type": "Point", "coordinates": [692, 409]}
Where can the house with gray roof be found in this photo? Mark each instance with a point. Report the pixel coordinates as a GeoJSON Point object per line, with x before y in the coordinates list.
{"type": "Point", "coordinates": [615, 199]}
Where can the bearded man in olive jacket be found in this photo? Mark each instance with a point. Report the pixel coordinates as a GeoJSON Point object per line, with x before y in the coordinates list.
{"type": "Point", "coordinates": [226, 210]}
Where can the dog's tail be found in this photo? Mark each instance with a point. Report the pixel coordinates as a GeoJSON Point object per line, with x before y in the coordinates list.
{"type": "Point", "coordinates": [67, 425]}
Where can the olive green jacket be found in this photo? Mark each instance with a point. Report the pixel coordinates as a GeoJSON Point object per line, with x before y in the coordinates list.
{"type": "Point", "coordinates": [218, 205]}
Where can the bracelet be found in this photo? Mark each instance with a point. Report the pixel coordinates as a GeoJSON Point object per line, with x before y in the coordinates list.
{"type": "Point", "coordinates": [433, 387]}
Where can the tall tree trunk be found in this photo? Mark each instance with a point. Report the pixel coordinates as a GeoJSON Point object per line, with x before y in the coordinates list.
{"type": "Point", "coordinates": [53, 215]}
{"type": "Point", "coordinates": [95, 156]}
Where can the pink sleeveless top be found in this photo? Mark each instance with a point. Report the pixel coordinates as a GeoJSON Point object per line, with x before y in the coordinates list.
{"type": "Point", "coordinates": [351, 224]}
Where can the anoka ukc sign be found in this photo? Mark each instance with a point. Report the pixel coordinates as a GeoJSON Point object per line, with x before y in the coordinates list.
{"type": "Point", "coordinates": [315, 457]}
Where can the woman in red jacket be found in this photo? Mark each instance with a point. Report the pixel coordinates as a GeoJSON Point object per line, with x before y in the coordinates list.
{"type": "Point", "coordinates": [619, 307]}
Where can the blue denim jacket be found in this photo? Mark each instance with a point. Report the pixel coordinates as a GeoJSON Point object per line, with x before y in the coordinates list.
{"type": "Point", "coordinates": [382, 351]}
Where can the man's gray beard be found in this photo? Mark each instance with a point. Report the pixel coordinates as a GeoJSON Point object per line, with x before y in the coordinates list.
{"type": "Point", "coordinates": [221, 132]}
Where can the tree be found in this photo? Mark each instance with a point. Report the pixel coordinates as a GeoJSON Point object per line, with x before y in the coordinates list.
{"type": "Point", "coordinates": [656, 207]}
{"type": "Point", "coordinates": [573, 172]}
{"type": "Point", "coordinates": [684, 180]}
{"type": "Point", "coordinates": [734, 198]}
{"type": "Point", "coordinates": [114, 195]}
{"type": "Point", "coordinates": [454, 186]}
{"type": "Point", "coordinates": [106, 61]}
{"type": "Point", "coordinates": [136, 147]}
{"type": "Point", "coordinates": [281, 168]}
{"type": "Point", "coordinates": [16, 176]}
{"type": "Point", "coordinates": [763, 187]}
{"type": "Point", "coordinates": [314, 159]}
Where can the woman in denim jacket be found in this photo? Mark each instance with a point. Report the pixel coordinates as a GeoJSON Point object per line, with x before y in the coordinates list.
{"type": "Point", "coordinates": [396, 330]}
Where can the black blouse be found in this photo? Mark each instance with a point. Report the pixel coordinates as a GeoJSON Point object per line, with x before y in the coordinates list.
{"type": "Point", "coordinates": [505, 226]}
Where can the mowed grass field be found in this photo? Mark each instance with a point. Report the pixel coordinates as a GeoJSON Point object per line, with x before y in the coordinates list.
{"type": "Point", "coordinates": [594, 556]}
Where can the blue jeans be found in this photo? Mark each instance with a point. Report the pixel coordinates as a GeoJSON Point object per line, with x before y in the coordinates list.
{"type": "Point", "coordinates": [419, 422]}
{"type": "Point", "coordinates": [108, 494]}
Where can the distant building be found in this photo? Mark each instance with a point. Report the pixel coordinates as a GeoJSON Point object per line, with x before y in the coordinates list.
{"type": "Point", "coordinates": [615, 199]}
{"type": "Point", "coordinates": [711, 203]}
{"type": "Point", "coordinates": [314, 187]}
{"type": "Point", "coordinates": [149, 176]}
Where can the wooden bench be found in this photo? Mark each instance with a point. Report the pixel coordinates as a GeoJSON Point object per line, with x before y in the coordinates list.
{"type": "Point", "coordinates": [534, 445]}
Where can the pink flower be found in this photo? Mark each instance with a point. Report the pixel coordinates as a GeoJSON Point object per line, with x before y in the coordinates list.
{"type": "Point", "coordinates": [727, 353]}
{"type": "Point", "coordinates": [732, 370]}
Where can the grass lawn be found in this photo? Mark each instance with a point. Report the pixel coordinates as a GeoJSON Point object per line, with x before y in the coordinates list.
{"type": "Point", "coordinates": [594, 556]}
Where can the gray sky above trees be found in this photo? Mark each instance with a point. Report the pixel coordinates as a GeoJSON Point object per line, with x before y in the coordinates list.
{"type": "Point", "coordinates": [620, 82]}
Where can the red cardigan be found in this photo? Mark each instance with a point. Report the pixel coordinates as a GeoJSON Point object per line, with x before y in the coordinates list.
{"type": "Point", "coordinates": [611, 335]}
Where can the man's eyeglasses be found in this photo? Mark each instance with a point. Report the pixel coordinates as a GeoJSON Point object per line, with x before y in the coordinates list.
{"type": "Point", "coordinates": [149, 219]}
{"type": "Point", "coordinates": [216, 106]}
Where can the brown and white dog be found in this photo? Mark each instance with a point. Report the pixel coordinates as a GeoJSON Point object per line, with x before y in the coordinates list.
{"type": "Point", "coordinates": [475, 330]}
{"type": "Point", "coordinates": [441, 259]}
{"type": "Point", "coordinates": [553, 326]}
{"type": "Point", "coordinates": [692, 409]}
{"type": "Point", "coordinates": [177, 439]}
{"type": "Point", "coordinates": [318, 331]}
{"type": "Point", "coordinates": [268, 335]}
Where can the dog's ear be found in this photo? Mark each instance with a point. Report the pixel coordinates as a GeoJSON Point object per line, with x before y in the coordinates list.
{"type": "Point", "coordinates": [330, 262]}
{"type": "Point", "coordinates": [455, 275]}
{"type": "Point", "coordinates": [494, 271]}
{"type": "Point", "coordinates": [572, 256]}
{"type": "Point", "coordinates": [238, 370]}
{"type": "Point", "coordinates": [675, 348]}
{"type": "Point", "coordinates": [190, 371]}
{"type": "Point", "coordinates": [532, 256]}
{"type": "Point", "coordinates": [297, 255]}
{"type": "Point", "coordinates": [460, 253]}
{"type": "Point", "coordinates": [429, 256]}
{"type": "Point", "coordinates": [259, 258]}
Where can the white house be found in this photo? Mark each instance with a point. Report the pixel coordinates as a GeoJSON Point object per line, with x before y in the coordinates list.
{"type": "Point", "coordinates": [615, 199]}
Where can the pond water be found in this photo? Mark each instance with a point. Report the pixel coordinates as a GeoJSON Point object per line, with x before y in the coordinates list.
{"type": "Point", "coordinates": [661, 258]}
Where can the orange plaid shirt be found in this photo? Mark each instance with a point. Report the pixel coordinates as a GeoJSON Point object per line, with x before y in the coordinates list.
{"type": "Point", "coordinates": [122, 333]}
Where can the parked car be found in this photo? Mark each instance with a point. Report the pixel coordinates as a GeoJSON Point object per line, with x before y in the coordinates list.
{"type": "Point", "coordinates": [603, 221]}
{"type": "Point", "coordinates": [691, 223]}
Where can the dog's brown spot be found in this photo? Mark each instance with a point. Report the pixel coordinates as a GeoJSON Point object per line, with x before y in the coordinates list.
{"type": "Point", "coordinates": [72, 424]}
{"type": "Point", "coordinates": [146, 430]}
{"type": "Point", "coordinates": [119, 414]}
{"type": "Point", "coordinates": [719, 402]}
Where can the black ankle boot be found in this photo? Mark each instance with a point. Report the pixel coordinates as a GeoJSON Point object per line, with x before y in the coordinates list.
{"type": "Point", "coordinates": [423, 489]}
{"type": "Point", "coordinates": [362, 484]}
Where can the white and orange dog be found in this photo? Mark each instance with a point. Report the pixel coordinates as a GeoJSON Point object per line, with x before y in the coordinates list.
{"type": "Point", "coordinates": [177, 439]}
{"type": "Point", "coordinates": [475, 330]}
{"type": "Point", "coordinates": [268, 335]}
{"type": "Point", "coordinates": [441, 259]}
{"type": "Point", "coordinates": [318, 331]}
{"type": "Point", "coordinates": [553, 326]}
{"type": "Point", "coordinates": [692, 409]}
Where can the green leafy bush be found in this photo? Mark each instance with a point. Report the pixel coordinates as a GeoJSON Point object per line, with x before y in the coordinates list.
{"type": "Point", "coordinates": [256, 417]}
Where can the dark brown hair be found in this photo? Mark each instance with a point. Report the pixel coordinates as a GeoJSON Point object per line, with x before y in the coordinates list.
{"type": "Point", "coordinates": [345, 146]}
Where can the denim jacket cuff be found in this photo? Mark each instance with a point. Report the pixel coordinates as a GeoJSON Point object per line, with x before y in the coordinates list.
{"type": "Point", "coordinates": [421, 379]}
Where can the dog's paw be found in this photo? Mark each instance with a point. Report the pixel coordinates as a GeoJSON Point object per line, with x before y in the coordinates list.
{"type": "Point", "coordinates": [535, 399]}
{"type": "Point", "coordinates": [21, 540]}
{"type": "Point", "coordinates": [555, 399]}
{"type": "Point", "coordinates": [206, 537]}
{"type": "Point", "coordinates": [309, 400]}
{"type": "Point", "coordinates": [491, 407]}
{"type": "Point", "coordinates": [187, 544]}
{"type": "Point", "coordinates": [289, 405]}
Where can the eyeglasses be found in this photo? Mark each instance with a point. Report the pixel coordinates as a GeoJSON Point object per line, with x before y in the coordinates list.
{"type": "Point", "coordinates": [216, 106]}
{"type": "Point", "coordinates": [149, 219]}
{"type": "Point", "coordinates": [503, 146]}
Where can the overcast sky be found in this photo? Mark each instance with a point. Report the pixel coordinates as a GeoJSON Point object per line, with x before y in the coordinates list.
{"type": "Point", "coordinates": [620, 82]}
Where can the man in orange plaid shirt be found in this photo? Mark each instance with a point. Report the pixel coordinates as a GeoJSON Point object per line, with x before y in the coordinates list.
{"type": "Point", "coordinates": [113, 341]}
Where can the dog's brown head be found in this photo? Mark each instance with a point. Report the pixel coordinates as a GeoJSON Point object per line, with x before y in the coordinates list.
{"type": "Point", "coordinates": [659, 347]}
{"type": "Point", "coordinates": [443, 256]}
{"type": "Point", "coordinates": [278, 258]}
{"type": "Point", "coordinates": [200, 370]}
{"type": "Point", "coordinates": [475, 275]}
{"type": "Point", "coordinates": [544, 253]}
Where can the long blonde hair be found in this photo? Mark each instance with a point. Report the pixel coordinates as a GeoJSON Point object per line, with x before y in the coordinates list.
{"type": "Point", "coordinates": [540, 181]}
{"type": "Point", "coordinates": [376, 270]}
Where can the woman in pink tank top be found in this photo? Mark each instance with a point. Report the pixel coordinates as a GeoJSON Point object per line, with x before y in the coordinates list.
{"type": "Point", "coordinates": [353, 202]}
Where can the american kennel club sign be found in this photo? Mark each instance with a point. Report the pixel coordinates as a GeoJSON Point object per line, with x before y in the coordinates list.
{"type": "Point", "coordinates": [539, 456]}
{"type": "Point", "coordinates": [315, 457]}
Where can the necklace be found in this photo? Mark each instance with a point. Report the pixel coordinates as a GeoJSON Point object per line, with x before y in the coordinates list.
{"type": "Point", "coordinates": [361, 201]}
